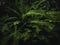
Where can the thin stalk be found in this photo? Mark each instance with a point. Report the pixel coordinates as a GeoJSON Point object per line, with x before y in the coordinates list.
{"type": "Point", "coordinates": [15, 36]}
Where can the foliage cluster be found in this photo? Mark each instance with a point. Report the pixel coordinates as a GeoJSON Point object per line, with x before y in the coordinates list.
{"type": "Point", "coordinates": [28, 21]}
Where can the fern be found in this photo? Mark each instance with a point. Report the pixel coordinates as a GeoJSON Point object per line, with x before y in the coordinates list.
{"type": "Point", "coordinates": [29, 23]}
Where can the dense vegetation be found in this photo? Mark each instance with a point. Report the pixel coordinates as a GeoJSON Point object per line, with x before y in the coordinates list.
{"type": "Point", "coordinates": [29, 22]}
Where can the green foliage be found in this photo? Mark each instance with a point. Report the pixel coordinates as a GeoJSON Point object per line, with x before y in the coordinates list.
{"type": "Point", "coordinates": [30, 22]}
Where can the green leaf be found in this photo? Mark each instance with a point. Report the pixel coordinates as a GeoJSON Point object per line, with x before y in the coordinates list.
{"type": "Point", "coordinates": [47, 25]}
{"type": "Point", "coordinates": [16, 22]}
